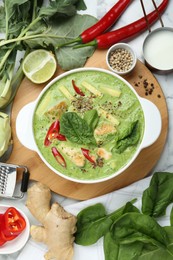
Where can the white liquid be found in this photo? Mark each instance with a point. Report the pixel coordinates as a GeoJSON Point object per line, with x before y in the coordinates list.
{"type": "Point", "coordinates": [158, 50]}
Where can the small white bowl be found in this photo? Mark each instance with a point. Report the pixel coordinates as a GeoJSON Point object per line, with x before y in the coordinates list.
{"type": "Point", "coordinates": [16, 244]}
{"type": "Point", "coordinates": [126, 47]}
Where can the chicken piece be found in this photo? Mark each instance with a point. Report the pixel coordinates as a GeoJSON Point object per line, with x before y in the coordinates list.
{"type": "Point", "coordinates": [105, 129]}
{"type": "Point", "coordinates": [56, 111]}
{"type": "Point", "coordinates": [104, 154]}
{"type": "Point", "coordinates": [74, 154]}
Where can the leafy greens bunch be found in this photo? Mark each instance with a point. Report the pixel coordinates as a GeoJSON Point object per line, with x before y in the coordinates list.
{"type": "Point", "coordinates": [131, 234]}
{"type": "Point", "coordinates": [31, 24]}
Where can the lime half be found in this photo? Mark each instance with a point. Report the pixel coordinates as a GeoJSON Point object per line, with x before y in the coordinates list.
{"type": "Point", "coordinates": [39, 66]}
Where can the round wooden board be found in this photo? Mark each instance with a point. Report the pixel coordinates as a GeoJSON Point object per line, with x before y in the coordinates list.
{"type": "Point", "coordinates": [141, 167]}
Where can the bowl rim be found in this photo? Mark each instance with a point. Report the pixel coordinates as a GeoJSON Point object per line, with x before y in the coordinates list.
{"type": "Point", "coordinates": [85, 181]}
{"type": "Point", "coordinates": [123, 46]}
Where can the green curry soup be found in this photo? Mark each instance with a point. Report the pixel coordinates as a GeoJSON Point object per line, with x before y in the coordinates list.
{"type": "Point", "coordinates": [97, 124]}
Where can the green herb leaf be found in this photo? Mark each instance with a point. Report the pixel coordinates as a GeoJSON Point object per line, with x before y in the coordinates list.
{"type": "Point", "coordinates": [62, 7]}
{"type": "Point", "coordinates": [93, 222]}
{"type": "Point", "coordinates": [129, 137]}
{"type": "Point", "coordinates": [58, 32]}
{"type": "Point", "coordinates": [158, 195]}
{"type": "Point", "coordinates": [76, 129]}
{"type": "Point", "coordinates": [92, 118]}
{"type": "Point", "coordinates": [115, 251]}
{"type": "Point", "coordinates": [132, 227]}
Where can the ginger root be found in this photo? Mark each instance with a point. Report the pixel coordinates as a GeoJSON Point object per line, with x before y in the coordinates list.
{"type": "Point", "coordinates": [58, 226]}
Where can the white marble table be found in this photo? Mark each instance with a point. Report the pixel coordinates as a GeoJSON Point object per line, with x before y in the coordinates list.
{"type": "Point", "coordinates": [133, 12]}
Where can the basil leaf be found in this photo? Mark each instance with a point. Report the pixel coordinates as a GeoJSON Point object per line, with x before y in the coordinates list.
{"type": "Point", "coordinates": [158, 195]}
{"type": "Point", "coordinates": [128, 138]}
{"type": "Point", "coordinates": [92, 118]}
{"type": "Point", "coordinates": [76, 129]}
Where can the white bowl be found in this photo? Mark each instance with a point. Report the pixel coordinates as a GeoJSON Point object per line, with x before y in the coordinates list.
{"type": "Point", "coordinates": [16, 244]}
{"type": "Point", "coordinates": [153, 124]}
{"type": "Point", "coordinates": [123, 46]}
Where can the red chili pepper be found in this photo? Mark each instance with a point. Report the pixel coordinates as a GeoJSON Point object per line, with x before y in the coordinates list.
{"type": "Point", "coordinates": [53, 133]}
{"type": "Point", "coordinates": [14, 223]}
{"type": "Point", "coordinates": [2, 240]}
{"type": "Point", "coordinates": [77, 89]}
{"type": "Point", "coordinates": [60, 159]}
{"type": "Point", "coordinates": [104, 41]}
{"type": "Point", "coordinates": [103, 24]}
{"type": "Point", "coordinates": [87, 156]}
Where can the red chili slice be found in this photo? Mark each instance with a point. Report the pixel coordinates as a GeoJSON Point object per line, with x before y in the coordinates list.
{"type": "Point", "coordinates": [87, 156]}
{"type": "Point", "coordinates": [77, 89]}
{"type": "Point", "coordinates": [14, 223]}
{"type": "Point", "coordinates": [53, 133]}
{"type": "Point", "coordinates": [60, 159]}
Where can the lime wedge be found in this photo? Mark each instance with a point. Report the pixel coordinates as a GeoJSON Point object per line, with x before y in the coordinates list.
{"type": "Point", "coordinates": [39, 66]}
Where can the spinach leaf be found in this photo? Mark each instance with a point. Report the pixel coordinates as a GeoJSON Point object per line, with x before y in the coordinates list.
{"type": "Point", "coordinates": [132, 227]}
{"type": "Point", "coordinates": [93, 222]}
{"type": "Point", "coordinates": [158, 195]}
{"type": "Point", "coordinates": [150, 253]}
{"type": "Point", "coordinates": [76, 129]}
{"type": "Point", "coordinates": [129, 137]}
{"type": "Point", "coordinates": [171, 217]}
{"type": "Point", "coordinates": [92, 118]}
{"type": "Point", "coordinates": [115, 251]}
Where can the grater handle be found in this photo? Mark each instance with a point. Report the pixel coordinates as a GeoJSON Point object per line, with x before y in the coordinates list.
{"type": "Point", "coordinates": [25, 180]}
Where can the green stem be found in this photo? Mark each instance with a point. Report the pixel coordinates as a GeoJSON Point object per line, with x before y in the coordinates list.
{"type": "Point", "coordinates": [35, 21]}
{"type": "Point", "coordinates": [2, 43]}
{"type": "Point", "coordinates": [116, 214]}
{"type": "Point", "coordinates": [169, 252]}
{"type": "Point", "coordinates": [77, 40]}
{"type": "Point", "coordinates": [6, 21]}
{"type": "Point", "coordinates": [7, 54]}
{"type": "Point", "coordinates": [34, 10]}
{"type": "Point", "coordinates": [92, 43]}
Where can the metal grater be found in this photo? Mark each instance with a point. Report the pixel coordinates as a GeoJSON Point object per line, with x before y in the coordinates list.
{"type": "Point", "coordinates": [8, 177]}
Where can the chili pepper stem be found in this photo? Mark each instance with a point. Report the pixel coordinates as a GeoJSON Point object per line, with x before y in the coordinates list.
{"type": "Point", "coordinates": [92, 44]}
{"type": "Point", "coordinates": [76, 40]}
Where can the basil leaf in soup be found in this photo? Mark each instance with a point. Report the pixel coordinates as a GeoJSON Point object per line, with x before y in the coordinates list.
{"type": "Point", "coordinates": [76, 129]}
{"type": "Point", "coordinates": [92, 118]}
{"type": "Point", "coordinates": [127, 138]}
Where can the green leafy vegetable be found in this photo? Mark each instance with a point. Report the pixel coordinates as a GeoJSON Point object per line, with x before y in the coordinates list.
{"type": "Point", "coordinates": [76, 129]}
{"type": "Point", "coordinates": [32, 24]}
{"type": "Point", "coordinates": [93, 222]}
{"type": "Point", "coordinates": [132, 235]}
{"type": "Point", "coordinates": [129, 137]}
{"type": "Point", "coordinates": [158, 195]}
{"type": "Point", "coordinates": [132, 227]}
{"type": "Point", "coordinates": [59, 31]}
{"type": "Point", "coordinates": [115, 251]}
{"type": "Point", "coordinates": [92, 118]}
{"type": "Point", "coordinates": [5, 130]}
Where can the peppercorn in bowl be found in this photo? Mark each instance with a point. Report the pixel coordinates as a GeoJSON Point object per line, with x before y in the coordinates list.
{"type": "Point", "coordinates": [88, 125]}
{"type": "Point", "coordinates": [121, 58]}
